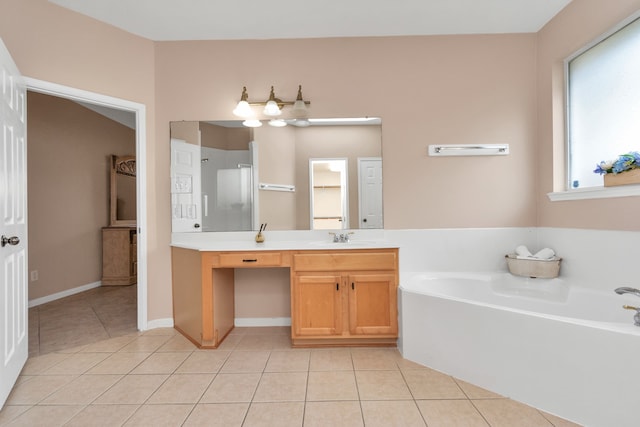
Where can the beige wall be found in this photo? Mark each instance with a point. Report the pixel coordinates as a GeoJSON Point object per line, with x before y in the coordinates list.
{"type": "Point", "coordinates": [439, 89]}
{"type": "Point", "coordinates": [186, 131]}
{"type": "Point", "coordinates": [454, 89]}
{"type": "Point", "coordinates": [225, 138]}
{"type": "Point", "coordinates": [578, 24]}
{"type": "Point", "coordinates": [276, 165]}
{"type": "Point", "coordinates": [56, 45]}
{"type": "Point", "coordinates": [68, 155]}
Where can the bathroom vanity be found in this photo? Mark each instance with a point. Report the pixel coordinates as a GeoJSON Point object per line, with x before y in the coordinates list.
{"type": "Point", "coordinates": [345, 296]}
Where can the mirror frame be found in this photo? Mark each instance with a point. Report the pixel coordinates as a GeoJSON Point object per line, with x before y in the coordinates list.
{"type": "Point", "coordinates": [120, 165]}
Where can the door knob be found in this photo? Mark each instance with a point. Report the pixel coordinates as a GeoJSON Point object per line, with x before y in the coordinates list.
{"type": "Point", "coordinates": [10, 241]}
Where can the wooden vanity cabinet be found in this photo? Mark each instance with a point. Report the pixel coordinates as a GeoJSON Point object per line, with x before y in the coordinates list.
{"type": "Point", "coordinates": [203, 290]}
{"type": "Point", "coordinates": [345, 298]}
{"type": "Point", "coordinates": [119, 256]}
{"type": "Point", "coordinates": [373, 304]}
{"type": "Point", "coordinates": [317, 305]}
{"type": "Point", "coordinates": [338, 297]}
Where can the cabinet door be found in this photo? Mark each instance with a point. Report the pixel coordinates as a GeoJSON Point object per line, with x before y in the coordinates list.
{"type": "Point", "coordinates": [317, 305]}
{"type": "Point", "coordinates": [373, 305]}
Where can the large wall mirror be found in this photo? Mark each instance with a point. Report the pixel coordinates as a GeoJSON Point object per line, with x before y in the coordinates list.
{"type": "Point", "coordinates": [227, 177]}
{"type": "Point", "coordinates": [123, 191]}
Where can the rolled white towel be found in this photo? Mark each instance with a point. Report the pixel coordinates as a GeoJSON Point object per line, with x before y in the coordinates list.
{"type": "Point", "coordinates": [523, 251]}
{"type": "Point", "coordinates": [546, 253]}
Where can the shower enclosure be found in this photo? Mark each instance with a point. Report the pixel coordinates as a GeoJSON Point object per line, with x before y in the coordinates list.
{"type": "Point", "coordinates": [228, 194]}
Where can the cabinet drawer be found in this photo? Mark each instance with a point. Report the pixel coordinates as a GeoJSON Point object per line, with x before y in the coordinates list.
{"type": "Point", "coordinates": [373, 261]}
{"type": "Point", "coordinates": [250, 259]}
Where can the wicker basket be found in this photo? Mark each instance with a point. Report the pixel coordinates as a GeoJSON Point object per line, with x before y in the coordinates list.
{"type": "Point", "coordinates": [535, 268]}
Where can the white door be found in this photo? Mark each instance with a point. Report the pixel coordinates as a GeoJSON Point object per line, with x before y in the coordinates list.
{"type": "Point", "coordinates": [13, 227]}
{"type": "Point", "coordinates": [186, 206]}
{"type": "Point", "coordinates": [370, 192]}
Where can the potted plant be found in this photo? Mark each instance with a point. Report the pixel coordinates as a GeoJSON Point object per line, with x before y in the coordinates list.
{"type": "Point", "coordinates": [621, 171]}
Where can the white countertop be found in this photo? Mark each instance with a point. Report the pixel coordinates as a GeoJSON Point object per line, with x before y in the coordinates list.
{"type": "Point", "coordinates": [279, 240]}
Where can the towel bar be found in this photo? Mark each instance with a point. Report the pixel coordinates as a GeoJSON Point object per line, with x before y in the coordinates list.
{"type": "Point", "coordinates": [277, 187]}
{"type": "Point", "coordinates": [469, 150]}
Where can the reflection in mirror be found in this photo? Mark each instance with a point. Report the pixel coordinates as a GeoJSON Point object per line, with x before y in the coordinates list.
{"type": "Point", "coordinates": [328, 189]}
{"type": "Point", "coordinates": [123, 190]}
{"type": "Point", "coordinates": [233, 178]}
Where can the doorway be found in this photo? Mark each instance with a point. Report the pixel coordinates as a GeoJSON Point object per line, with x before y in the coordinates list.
{"type": "Point", "coordinates": [139, 110]}
{"type": "Point", "coordinates": [329, 194]}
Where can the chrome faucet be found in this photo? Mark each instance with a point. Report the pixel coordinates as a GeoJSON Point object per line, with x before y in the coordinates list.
{"type": "Point", "coordinates": [627, 290]}
{"type": "Point", "coordinates": [636, 292]}
{"type": "Point", "coordinates": [342, 237]}
{"type": "Point", "coordinates": [636, 317]}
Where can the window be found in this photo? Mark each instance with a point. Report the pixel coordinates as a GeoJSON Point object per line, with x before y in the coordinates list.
{"type": "Point", "coordinates": [603, 103]}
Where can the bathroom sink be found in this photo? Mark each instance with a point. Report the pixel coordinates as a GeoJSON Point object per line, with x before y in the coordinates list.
{"type": "Point", "coordinates": [345, 245]}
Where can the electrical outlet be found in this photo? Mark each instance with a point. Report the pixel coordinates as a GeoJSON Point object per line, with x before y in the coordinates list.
{"type": "Point", "coordinates": [34, 276]}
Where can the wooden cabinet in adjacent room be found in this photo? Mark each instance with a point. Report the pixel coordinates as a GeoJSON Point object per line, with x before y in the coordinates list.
{"type": "Point", "coordinates": [119, 256]}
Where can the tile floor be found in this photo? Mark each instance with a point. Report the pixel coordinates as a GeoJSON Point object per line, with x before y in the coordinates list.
{"type": "Point", "coordinates": [83, 318]}
{"type": "Point", "coordinates": [159, 378]}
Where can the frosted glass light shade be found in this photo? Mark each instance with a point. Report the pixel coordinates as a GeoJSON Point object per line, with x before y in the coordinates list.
{"type": "Point", "coordinates": [272, 109]}
{"type": "Point", "coordinates": [277, 123]}
{"type": "Point", "coordinates": [252, 123]}
{"type": "Point", "coordinates": [243, 109]}
{"type": "Point", "coordinates": [299, 108]}
{"type": "Point", "coordinates": [302, 123]}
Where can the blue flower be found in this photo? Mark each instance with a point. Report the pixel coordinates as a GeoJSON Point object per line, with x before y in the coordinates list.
{"type": "Point", "coordinates": [624, 162]}
{"type": "Point", "coordinates": [601, 168]}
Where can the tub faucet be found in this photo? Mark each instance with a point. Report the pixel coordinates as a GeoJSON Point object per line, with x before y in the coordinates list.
{"type": "Point", "coordinates": [636, 318]}
{"type": "Point", "coordinates": [627, 290]}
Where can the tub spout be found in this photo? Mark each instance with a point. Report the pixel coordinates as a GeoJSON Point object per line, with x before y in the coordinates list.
{"type": "Point", "coordinates": [627, 290]}
{"type": "Point", "coordinates": [636, 318]}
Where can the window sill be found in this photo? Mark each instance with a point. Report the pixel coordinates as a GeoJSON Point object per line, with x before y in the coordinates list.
{"type": "Point", "coordinates": [595, 193]}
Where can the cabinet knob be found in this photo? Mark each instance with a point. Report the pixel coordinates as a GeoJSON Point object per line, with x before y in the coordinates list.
{"type": "Point", "coordinates": [196, 225]}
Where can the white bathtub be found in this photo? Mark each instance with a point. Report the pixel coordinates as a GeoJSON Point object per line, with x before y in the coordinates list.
{"type": "Point", "coordinates": [561, 348]}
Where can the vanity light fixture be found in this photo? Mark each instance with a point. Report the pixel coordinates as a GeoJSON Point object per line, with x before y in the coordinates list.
{"type": "Point", "coordinates": [301, 123]}
{"type": "Point", "coordinates": [272, 107]}
{"type": "Point", "coordinates": [243, 109]}
{"type": "Point", "coordinates": [277, 123]}
{"type": "Point", "coordinates": [252, 123]}
{"type": "Point", "coordinates": [300, 106]}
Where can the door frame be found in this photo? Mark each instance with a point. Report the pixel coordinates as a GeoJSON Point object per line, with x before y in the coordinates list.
{"type": "Point", "coordinates": [139, 110]}
{"type": "Point", "coordinates": [344, 184]}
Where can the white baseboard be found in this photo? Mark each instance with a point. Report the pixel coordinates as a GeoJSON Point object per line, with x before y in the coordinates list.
{"type": "Point", "coordinates": [262, 321]}
{"type": "Point", "coordinates": [42, 300]}
{"type": "Point", "coordinates": [160, 323]}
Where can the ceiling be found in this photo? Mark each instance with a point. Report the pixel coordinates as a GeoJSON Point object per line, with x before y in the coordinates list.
{"type": "Point", "coordinates": [163, 20]}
